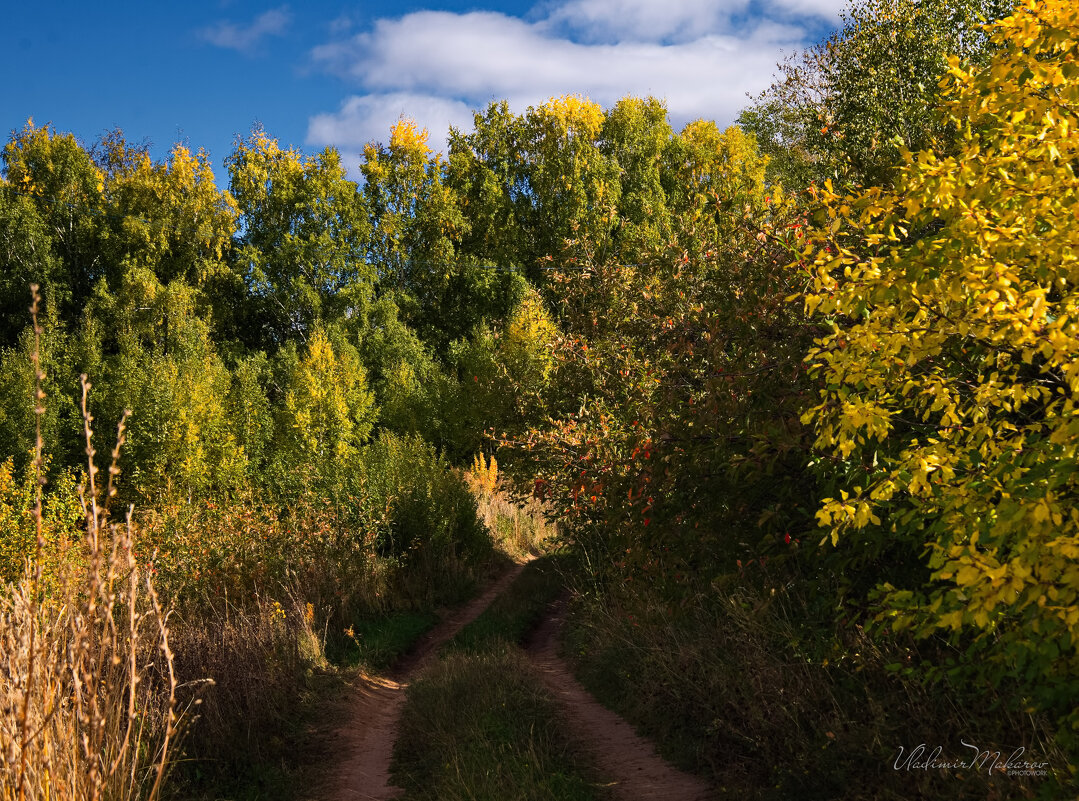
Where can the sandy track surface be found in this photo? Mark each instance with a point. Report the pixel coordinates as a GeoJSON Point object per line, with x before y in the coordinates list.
{"type": "Point", "coordinates": [364, 743]}
{"type": "Point", "coordinates": [627, 760]}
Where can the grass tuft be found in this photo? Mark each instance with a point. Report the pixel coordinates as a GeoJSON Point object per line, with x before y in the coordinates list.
{"type": "Point", "coordinates": [479, 726]}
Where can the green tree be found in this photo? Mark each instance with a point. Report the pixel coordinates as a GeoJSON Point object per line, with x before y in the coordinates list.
{"type": "Point", "coordinates": [574, 185]}
{"type": "Point", "coordinates": [536, 181]}
{"type": "Point", "coordinates": [487, 171]}
{"type": "Point", "coordinates": [846, 108]}
{"type": "Point", "coordinates": [503, 371]}
{"type": "Point", "coordinates": [414, 213]}
{"type": "Point", "coordinates": [249, 411]}
{"type": "Point", "coordinates": [26, 257]}
{"type": "Point", "coordinates": [62, 233]}
{"type": "Point", "coordinates": [153, 355]}
{"type": "Point", "coordinates": [303, 241]}
{"type": "Point", "coordinates": [419, 219]}
{"type": "Point", "coordinates": [169, 217]}
{"type": "Point", "coordinates": [636, 136]}
{"type": "Point", "coordinates": [60, 422]}
{"type": "Point", "coordinates": [409, 384]}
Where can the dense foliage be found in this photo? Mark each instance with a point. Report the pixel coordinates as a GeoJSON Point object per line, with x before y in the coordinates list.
{"type": "Point", "coordinates": [951, 369]}
{"type": "Point", "coordinates": [847, 108]}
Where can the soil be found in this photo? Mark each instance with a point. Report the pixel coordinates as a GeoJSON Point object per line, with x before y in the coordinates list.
{"type": "Point", "coordinates": [363, 744]}
{"type": "Point", "coordinates": [634, 770]}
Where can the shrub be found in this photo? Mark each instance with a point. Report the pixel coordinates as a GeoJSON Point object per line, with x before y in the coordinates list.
{"type": "Point", "coordinates": [948, 414]}
{"type": "Point", "coordinates": [424, 513]}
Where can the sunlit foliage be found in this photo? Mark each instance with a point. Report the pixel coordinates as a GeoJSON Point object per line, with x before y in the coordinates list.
{"type": "Point", "coordinates": [953, 363]}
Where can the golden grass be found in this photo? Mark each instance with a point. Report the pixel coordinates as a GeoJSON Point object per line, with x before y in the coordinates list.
{"type": "Point", "coordinates": [519, 527]}
{"type": "Point", "coordinates": [87, 690]}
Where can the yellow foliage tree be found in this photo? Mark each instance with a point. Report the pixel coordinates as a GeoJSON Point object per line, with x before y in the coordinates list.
{"type": "Point", "coordinates": [328, 410]}
{"type": "Point", "coordinates": [414, 212]}
{"type": "Point", "coordinates": [714, 179]}
{"type": "Point", "coordinates": [576, 186]}
{"type": "Point", "coordinates": [527, 344]}
{"type": "Point", "coordinates": [168, 216]}
{"type": "Point", "coordinates": [952, 370]}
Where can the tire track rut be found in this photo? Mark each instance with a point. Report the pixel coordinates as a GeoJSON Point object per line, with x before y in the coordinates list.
{"type": "Point", "coordinates": [632, 768]}
{"type": "Point", "coordinates": [630, 763]}
{"type": "Point", "coordinates": [365, 742]}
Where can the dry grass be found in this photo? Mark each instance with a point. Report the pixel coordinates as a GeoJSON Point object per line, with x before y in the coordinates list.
{"type": "Point", "coordinates": [519, 526]}
{"type": "Point", "coordinates": [260, 658]}
{"type": "Point", "coordinates": [748, 687]}
{"type": "Point", "coordinates": [87, 690]}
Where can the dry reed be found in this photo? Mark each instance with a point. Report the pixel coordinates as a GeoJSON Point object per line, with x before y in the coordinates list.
{"type": "Point", "coordinates": [88, 706]}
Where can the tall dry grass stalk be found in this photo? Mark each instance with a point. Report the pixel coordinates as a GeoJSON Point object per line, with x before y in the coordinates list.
{"type": "Point", "coordinates": [88, 705]}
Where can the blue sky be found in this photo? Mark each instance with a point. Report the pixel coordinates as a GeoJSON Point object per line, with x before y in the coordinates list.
{"type": "Point", "coordinates": [340, 73]}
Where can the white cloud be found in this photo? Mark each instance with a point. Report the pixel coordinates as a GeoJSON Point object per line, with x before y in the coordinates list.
{"type": "Point", "coordinates": [825, 9]}
{"type": "Point", "coordinates": [245, 38]}
{"type": "Point", "coordinates": [645, 20]}
{"type": "Point", "coordinates": [701, 56]}
{"type": "Point", "coordinates": [678, 20]}
{"type": "Point", "coordinates": [368, 118]}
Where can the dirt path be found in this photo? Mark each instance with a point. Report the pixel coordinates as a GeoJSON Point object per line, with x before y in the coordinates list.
{"type": "Point", "coordinates": [636, 771]}
{"type": "Point", "coordinates": [365, 742]}
{"type": "Point", "coordinates": [363, 745]}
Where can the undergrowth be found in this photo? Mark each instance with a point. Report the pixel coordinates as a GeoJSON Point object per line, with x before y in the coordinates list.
{"type": "Point", "coordinates": [519, 526]}
{"type": "Point", "coordinates": [746, 685]}
{"type": "Point", "coordinates": [342, 604]}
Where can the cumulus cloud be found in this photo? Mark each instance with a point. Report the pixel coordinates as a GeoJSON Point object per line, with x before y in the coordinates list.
{"type": "Point", "coordinates": [245, 38]}
{"type": "Point", "coordinates": [368, 118]}
{"type": "Point", "coordinates": [701, 56]}
{"type": "Point", "coordinates": [645, 20]}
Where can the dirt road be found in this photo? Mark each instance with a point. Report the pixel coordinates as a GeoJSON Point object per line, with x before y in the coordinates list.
{"type": "Point", "coordinates": [633, 769]}
{"type": "Point", "coordinates": [630, 765]}
{"type": "Point", "coordinates": [365, 741]}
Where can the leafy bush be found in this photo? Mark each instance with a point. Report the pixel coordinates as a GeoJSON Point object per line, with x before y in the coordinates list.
{"type": "Point", "coordinates": [423, 512]}
{"type": "Point", "coordinates": [61, 515]}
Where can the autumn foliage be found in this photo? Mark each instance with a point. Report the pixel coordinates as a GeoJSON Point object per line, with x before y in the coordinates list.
{"type": "Point", "coordinates": [952, 365]}
{"type": "Point", "coordinates": [829, 356]}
